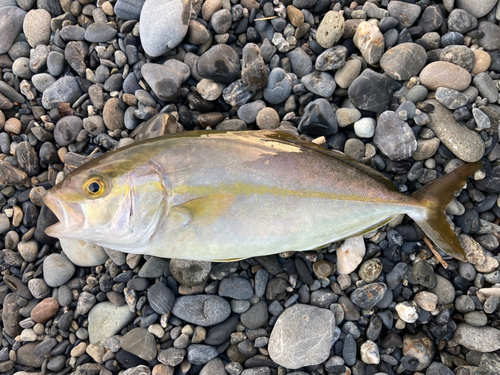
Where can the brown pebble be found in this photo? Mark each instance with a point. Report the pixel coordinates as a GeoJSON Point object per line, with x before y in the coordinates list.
{"type": "Point", "coordinates": [295, 16]}
{"type": "Point", "coordinates": [323, 268]}
{"type": "Point", "coordinates": [13, 125]}
{"type": "Point", "coordinates": [482, 62]}
{"type": "Point", "coordinates": [45, 310]}
{"type": "Point", "coordinates": [444, 74]}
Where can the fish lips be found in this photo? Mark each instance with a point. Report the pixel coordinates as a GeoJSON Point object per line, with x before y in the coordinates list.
{"type": "Point", "coordinates": [70, 215]}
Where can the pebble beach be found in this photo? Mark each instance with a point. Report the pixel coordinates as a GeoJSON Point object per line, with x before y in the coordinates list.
{"type": "Point", "coordinates": [409, 88]}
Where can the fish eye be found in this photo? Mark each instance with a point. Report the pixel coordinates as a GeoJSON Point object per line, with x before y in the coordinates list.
{"type": "Point", "coordinates": [94, 187]}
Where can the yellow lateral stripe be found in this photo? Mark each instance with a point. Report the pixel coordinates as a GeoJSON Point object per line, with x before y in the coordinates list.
{"type": "Point", "coordinates": [239, 188]}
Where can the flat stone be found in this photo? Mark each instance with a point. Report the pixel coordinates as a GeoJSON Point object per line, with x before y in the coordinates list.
{"type": "Point", "coordinates": [331, 59]}
{"type": "Point", "coordinates": [100, 32]}
{"type": "Point", "coordinates": [490, 41]}
{"type": "Point", "coordinates": [478, 10]}
{"type": "Point", "coordinates": [300, 61]}
{"type": "Point", "coordinates": [367, 296]}
{"type": "Point", "coordinates": [36, 27]}
{"type": "Point", "coordinates": [419, 346]}
{"type": "Point", "coordinates": [161, 298]}
{"type": "Point", "coordinates": [451, 99]}
{"type": "Point", "coordinates": [403, 61]}
{"type": "Point", "coordinates": [463, 142]}
{"type": "Point", "coordinates": [64, 90]}
{"type": "Point", "coordinates": [350, 255]}
{"type": "Point", "coordinates": [481, 339]}
{"type": "Point", "coordinates": [279, 86]}
{"type": "Point", "coordinates": [319, 83]}
{"type": "Point", "coordinates": [459, 55]}
{"type": "Point", "coordinates": [287, 345]}
{"type": "Point", "coordinates": [405, 13]}
{"type": "Point", "coordinates": [254, 73]}
{"type": "Point", "coordinates": [370, 42]}
{"type": "Point", "coordinates": [106, 320]}
{"type": "Point", "coordinates": [11, 24]}
{"type": "Point", "coordinates": [371, 91]}
{"type": "Point", "coordinates": [444, 74]}
{"type": "Point", "coordinates": [394, 137]}
{"type": "Point", "coordinates": [140, 343]}
{"type": "Point", "coordinates": [58, 270]}
{"type": "Point", "coordinates": [190, 272]}
{"type": "Point", "coordinates": [129, 9]}
{"type": "Point", "coordinates": [256, 316]}
{"type": "Point", "coordinates": [204, 310]}
{"type": "Point", "coordinates": [45, 310]}
{"type": "Point", "coordinates": [83, 254]}
{"type": "Point", "coordinates": [163, 25]}
{"type": "Point", "coordinates": [220, 64]}
{"type": "Point", "coordinates": [461, 21]}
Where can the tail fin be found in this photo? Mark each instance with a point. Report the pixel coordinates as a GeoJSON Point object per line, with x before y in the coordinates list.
{"type": "Point", "coordinates": [434, 198]}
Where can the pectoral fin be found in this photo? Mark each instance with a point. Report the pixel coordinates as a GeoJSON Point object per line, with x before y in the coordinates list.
{"type": "Point", "coordinates": [203, 211]}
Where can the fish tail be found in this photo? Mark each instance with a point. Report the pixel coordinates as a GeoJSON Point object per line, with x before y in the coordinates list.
{"type": "Point", "coordinates": [434, 198]}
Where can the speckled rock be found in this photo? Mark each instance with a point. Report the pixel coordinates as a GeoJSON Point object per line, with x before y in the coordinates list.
{"type": "Point", "coordinates": [403, 61]}
{"type": "Point", "coordinates": [330, 29]}
{"type": "Point", "coordinates": [370, 42]}
{"type": "Point", "coordinates": [464, 143]}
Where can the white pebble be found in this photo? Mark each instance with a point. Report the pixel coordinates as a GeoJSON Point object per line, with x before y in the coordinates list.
{"type": "Point", "coordinates": [350, 255]}
{"type": "Point", "coordinates": [365, 127]}
{"type": "Point", "coordinates": [407, 312]}
{"type": "Point", "coordinates": [369, 353]}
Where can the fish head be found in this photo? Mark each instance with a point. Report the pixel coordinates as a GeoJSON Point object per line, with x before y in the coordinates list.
{"type": "Point", "coordinates": [109, 207]}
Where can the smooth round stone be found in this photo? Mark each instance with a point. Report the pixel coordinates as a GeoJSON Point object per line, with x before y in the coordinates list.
{"type": "Point", "coordinates": [209, 90]}
{"type": "Point", "coordinates": [486, 86]}
{"type": "Point", "coordinates": [444, 74]}
{"type": "Point", "coordinates": [404, 12]}
{"type": "Point", "coordinates": [163, 25]}
{"type": "Point", "coordinates": [197, 33]}
{"type": "Point", "coordinates": [355, 149]}
{"type": "Point", "coordinates": [21, 68]}
{"type": "Point", "coordinates": [330, 29]}
{"type": "Point", "coordinates": [58, 270]}
{"type": "Point", "coordinates": [42, 81]}
{"type": "Point", "coordinates": [67, 129]}
{"type": "Point", "coordinates": [236, 288]}
{"type": "Point", "coordinates": [64, 295]}
{"type": "Point", "coordinates": [476, 318]}
{"type": "Point", "coordinates": [220, 64]}
{"type": "Point", "coordinates": [350, 255]}
{"type": "Point", "coordinates": [426, 148]}
{"type": "Point", "coordinates": [370, 42]}
{"type": "Point", "coordinates": [452, 38]}
{"type": "Point", "coordinates": [295, 16]}
{"type": "Point", "coordinates": [482, 61]}
{"type": "Point", "coordinates": [199, 354]}
{"type": "Point", "coordinates": [286, 344]}
{"type": "Point", "coordinates": [45, 310]}
{"type": "Point", "coordinates": [348, 73]}
{"type": "Point", "coordinates": [347, 116]}
{"type": "Point", "coordinates": [248, 112]}
{"type": "Point", "coordinates": [331, 59]}
{"type": "Point", "coordinates": [204, 310]}
{"type": "Point", "coordinates": [165, 80]}
{"type": "Point", "coordinates": [72, 32]}
{"type": "Point", "coordinates": [113, 114]}
{"type": "Point", "coordinates": [370, 270]}
{"type": "Point", "coordinates": [462, 142]}
{"type": "Point", "coordinates": [417, 94]}
{"type": "Point", "coordinates": [221, 21]}
{"type": "Point", "coordinates": [461, 21]}
{"type": "Point", "coordinates": [426, 300]}
{"type": "Point", "coordinates": [256, 316]}
{"type": "Point", "coordinates": [106, 320]}
{"type": "Point", "coordinates": [11, 24]}
{"type": "Point", "coordinates": [319, 83]}
{"type": "Point", "coordinates": [279, 86]}
{"type": "Point", "coordinates": [403, 61]}
{"type": "Point", "coordinates": [36, 27]}
{"type": "Point", "coordinates": [129, 9]}
{"type": "Point", "coordinates": [140, 343]}
{"type": "Point", "coordinates": [365, 127]}
{"type": "Point", "coordinates": [38, 288]}
{"type": "Point", "coordinates": [55, 63]}
{"type": "Point", "coordinates": [268, 119]}
{"type": "Point", "coordinates": [99, 32]}
{"type": "Point", "coordinates": [477, 9]}
{"type": "Point", "coordinates": [318, 119]}
{"type": "Point", "coordinates": [64, 90]}
{"type": "Point", "coordinates": [300, 61]}
{"type": "Point", "coordinates": [190, 272]}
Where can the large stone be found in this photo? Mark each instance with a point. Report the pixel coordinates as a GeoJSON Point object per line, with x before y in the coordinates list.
{"type": "Point", "coordinates": [477, 8]}
{"type": "Point", "coordinates": [330, 29]}
{"type": "Point", "coordinates": [319, 119]}
{"type": "Point", "coordinates": [140, 343]}
{"type": "Point", "coordinates": [404, 61]}
{"type": "Point", "coordinates": [36, 27]}
{"type": "Point", "coordinates": [370, 42]}
{"type": "Point", "coordinates": [163, 25]}
{"type": "Point", "coordinates": [371, 91]}
{"type": "Point", "coordinates": [404, 12]}
{"type": "Point", "coordinates": [106, 320]}
{"type": "Point", "coordinates": [466, 144]}
{"type": "Point", "coordinates": [220, 64]}
{"type": "Point", "coordinates": [480, 339]}
{"type": "Point", "coordinates": [302, 336]}
{"type": "Point", "coordinates": [445, 74]}
{"type": "Point", "coordinates": [204, 310]}
{"type": "Point", "coordinates": [394, 137]}
{"type": "Point", "coordinates": [11, 24]}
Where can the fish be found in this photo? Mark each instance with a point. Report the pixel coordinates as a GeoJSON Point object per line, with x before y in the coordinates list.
{"type": "Point", "coordinates": [230, 195]}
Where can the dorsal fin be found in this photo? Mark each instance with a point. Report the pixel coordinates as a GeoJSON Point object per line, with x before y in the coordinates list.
{"type": "Point", "coordinates": [288, 137]}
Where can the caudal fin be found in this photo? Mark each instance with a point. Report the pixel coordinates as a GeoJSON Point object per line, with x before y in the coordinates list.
{"type": "Point", "coordinates": [434, 197]}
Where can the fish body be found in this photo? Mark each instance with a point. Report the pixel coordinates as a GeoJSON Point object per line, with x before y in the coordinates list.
{"type": "Point", "coordinates": [231, 195]}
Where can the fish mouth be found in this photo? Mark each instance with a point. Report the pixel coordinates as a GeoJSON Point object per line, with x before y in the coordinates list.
{"type": "Point", "coordinates": [70, 215]}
